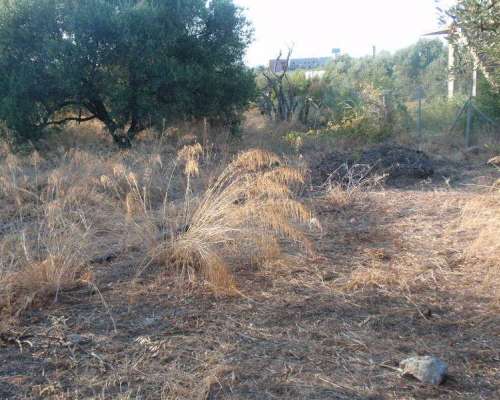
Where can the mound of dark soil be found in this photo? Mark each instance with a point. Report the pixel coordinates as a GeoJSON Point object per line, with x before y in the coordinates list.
{"type": "Point", "coordinates": [400, 164]}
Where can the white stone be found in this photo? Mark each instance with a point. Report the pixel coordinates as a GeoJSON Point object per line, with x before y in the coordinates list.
{"type": "Point", "coordinates": [426, 369]}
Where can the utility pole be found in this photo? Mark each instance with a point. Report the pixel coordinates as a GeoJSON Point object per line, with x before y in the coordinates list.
{"type": "Point", "coordinates": [474, 80]}
{"type": "Point", "coordinates": [451, 57]}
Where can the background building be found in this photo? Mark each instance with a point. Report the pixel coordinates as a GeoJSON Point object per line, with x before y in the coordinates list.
{"type": "Point", "coordinates": [303, 63]}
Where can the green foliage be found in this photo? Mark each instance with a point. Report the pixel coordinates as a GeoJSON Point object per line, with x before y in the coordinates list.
{"type": "Point", "coordinates": [375, 97]}
{"type": "Point", "coordinates": [478, 22]}
{"type": "Point", "coordinates": [489, 99]}
{"type": "Point", "coordinates": [354, 97]}
{"type": "Point", "coordinates": [424, 65]}
{"type": "Point", "coordinates": [438, 113]}
{"type": "Point", "coordinates": [126, 63]}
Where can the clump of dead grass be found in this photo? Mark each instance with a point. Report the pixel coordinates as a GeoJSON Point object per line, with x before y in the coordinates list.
{"type": "Point", "coordinates": [371, 277]}
{"type": "Point", "coordinates": [37, 264]}
{"type": "Point", "coordinates": [248, 207]}
{"type": "Point", "coordinates": [60, 212]}
{"type": "Point", "coordinates": [349, 185]}
{"type": "Point", "coordinates": [47, 238]}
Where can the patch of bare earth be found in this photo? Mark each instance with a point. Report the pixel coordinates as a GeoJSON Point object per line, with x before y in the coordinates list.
{"type": "Point", "coordinates": [390, 280]}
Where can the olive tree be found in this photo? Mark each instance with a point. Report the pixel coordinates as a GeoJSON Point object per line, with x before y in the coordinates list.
{"type": "Point", "coordinates": [127, 63]}
{"type": "Point", "coordinates": [477, 24]}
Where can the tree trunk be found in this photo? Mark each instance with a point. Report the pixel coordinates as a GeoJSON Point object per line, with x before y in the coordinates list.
{"type": "Point", "coordinates": [135, 123]}
{"type": "Point", "coordinates": [97, 107]}
{"type": "Point", "coordinates": [304, 114]}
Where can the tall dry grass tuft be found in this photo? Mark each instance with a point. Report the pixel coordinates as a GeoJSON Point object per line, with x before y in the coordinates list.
{"type": "Point", "coordinates": [46, 234]}
{"type": "Point", "coordinates": [63, 211]}
{"type": "Point", "coordinates": [250, 205]}
{"type": "Point", "coordinates": [56, 215]}
{"type": "Point", "coordinates": [40, 262]}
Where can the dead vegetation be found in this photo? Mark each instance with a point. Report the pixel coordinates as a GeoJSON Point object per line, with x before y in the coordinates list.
{"type": "Point", "coordinates": [115, 267]}
{"type": "Point", "coordinates": [480, 223]}
{"type": "Point", "coordinates": [88, 208]}
{"type": "Point", "coordinates": [348, 185]}
{"type": "Point", "coordinates": [247, 210]}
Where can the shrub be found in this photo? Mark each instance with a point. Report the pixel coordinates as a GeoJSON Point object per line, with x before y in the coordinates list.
{"type": "Point", "coordinates": [439, 113]}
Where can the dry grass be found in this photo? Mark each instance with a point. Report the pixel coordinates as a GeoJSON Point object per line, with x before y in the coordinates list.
{"type": "Point", "coordinates": [391, 283]}
{"type": "Point", "coordinates": [397, 273]}
{"type": "Point", "coordinates": [481, 217]}
{"type": "Point", "coordinates": [62, 212]}
{"type": "Point", "coordinates": [47, 244]}
{"type": "Point", "coordinates": [245, 212]}
{"type": "Point", "coordinates": [42, 269]}
{"type": "Point", "coordinates": [347, 186]}
{"type": "Point", "coordinates": [450, 241]}
{"type": "Point", "coordinates": [480, 224]}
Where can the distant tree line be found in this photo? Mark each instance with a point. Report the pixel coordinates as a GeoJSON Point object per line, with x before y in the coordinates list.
{"type": "Point", "coordinates": [372, 95]}
{"type": "Point", "coordinates": [376, 96]}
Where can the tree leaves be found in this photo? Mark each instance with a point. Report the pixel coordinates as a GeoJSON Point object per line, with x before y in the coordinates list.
{"type": "Point", "coordinates": [127, 63]}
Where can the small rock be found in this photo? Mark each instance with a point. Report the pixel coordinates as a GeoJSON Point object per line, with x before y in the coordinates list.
{"type": "Point", "coordinates": [426, 369]}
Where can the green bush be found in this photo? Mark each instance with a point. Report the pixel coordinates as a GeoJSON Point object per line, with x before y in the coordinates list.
{"type": "Point", "coordinates": [439, 113]}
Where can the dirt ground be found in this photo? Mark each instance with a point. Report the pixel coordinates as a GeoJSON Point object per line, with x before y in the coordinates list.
{"type": "Point", "coordinates": [388, 281]}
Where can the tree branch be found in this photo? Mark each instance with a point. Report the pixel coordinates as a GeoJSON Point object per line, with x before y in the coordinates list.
{"type": "Point", "coordinates": [77, 119]}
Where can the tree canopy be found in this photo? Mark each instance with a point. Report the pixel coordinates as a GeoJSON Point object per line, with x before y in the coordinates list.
{"type": "Point", "coordinates": [478, 23]}
{"type": "Point", "coordinates": [128, 63]}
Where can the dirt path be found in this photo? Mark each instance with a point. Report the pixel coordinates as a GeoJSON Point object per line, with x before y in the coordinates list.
{"type": "Point", "coordinates": [389, 282]}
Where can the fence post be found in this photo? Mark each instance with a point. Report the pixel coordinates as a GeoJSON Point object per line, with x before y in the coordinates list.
{"type": "Point", "coordinates": [468, 125]}
{"type": "Point", "coordinates": [420, 96]}
{"type": "Point", "coordinates": [419, 118]}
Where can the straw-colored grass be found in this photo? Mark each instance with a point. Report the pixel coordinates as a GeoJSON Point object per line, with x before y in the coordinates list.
{"type": "Point", "coordinates": [480, 223]}
{"type": "Point", "coordinates": [481, 216]}
{"type": "Point", "coordinates": [61, 211]}
{"type": "Point", "coordinates": [348, 185]}
{"type": "Point", "coordinates": [71, 207]}
{"type": "Point", "coordinates": [398, 272]}
{"type": "Point", "coordinates": [49, 243]}
{"type": "Point", "coordinates": [248, 208]}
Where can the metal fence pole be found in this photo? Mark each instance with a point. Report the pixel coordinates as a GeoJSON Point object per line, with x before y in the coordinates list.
{"type": "Point", "coordinates": [468, 126]}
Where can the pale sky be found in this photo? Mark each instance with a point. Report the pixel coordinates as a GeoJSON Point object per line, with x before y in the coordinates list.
{"type": "Point", "coordinates": [315, 27]}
